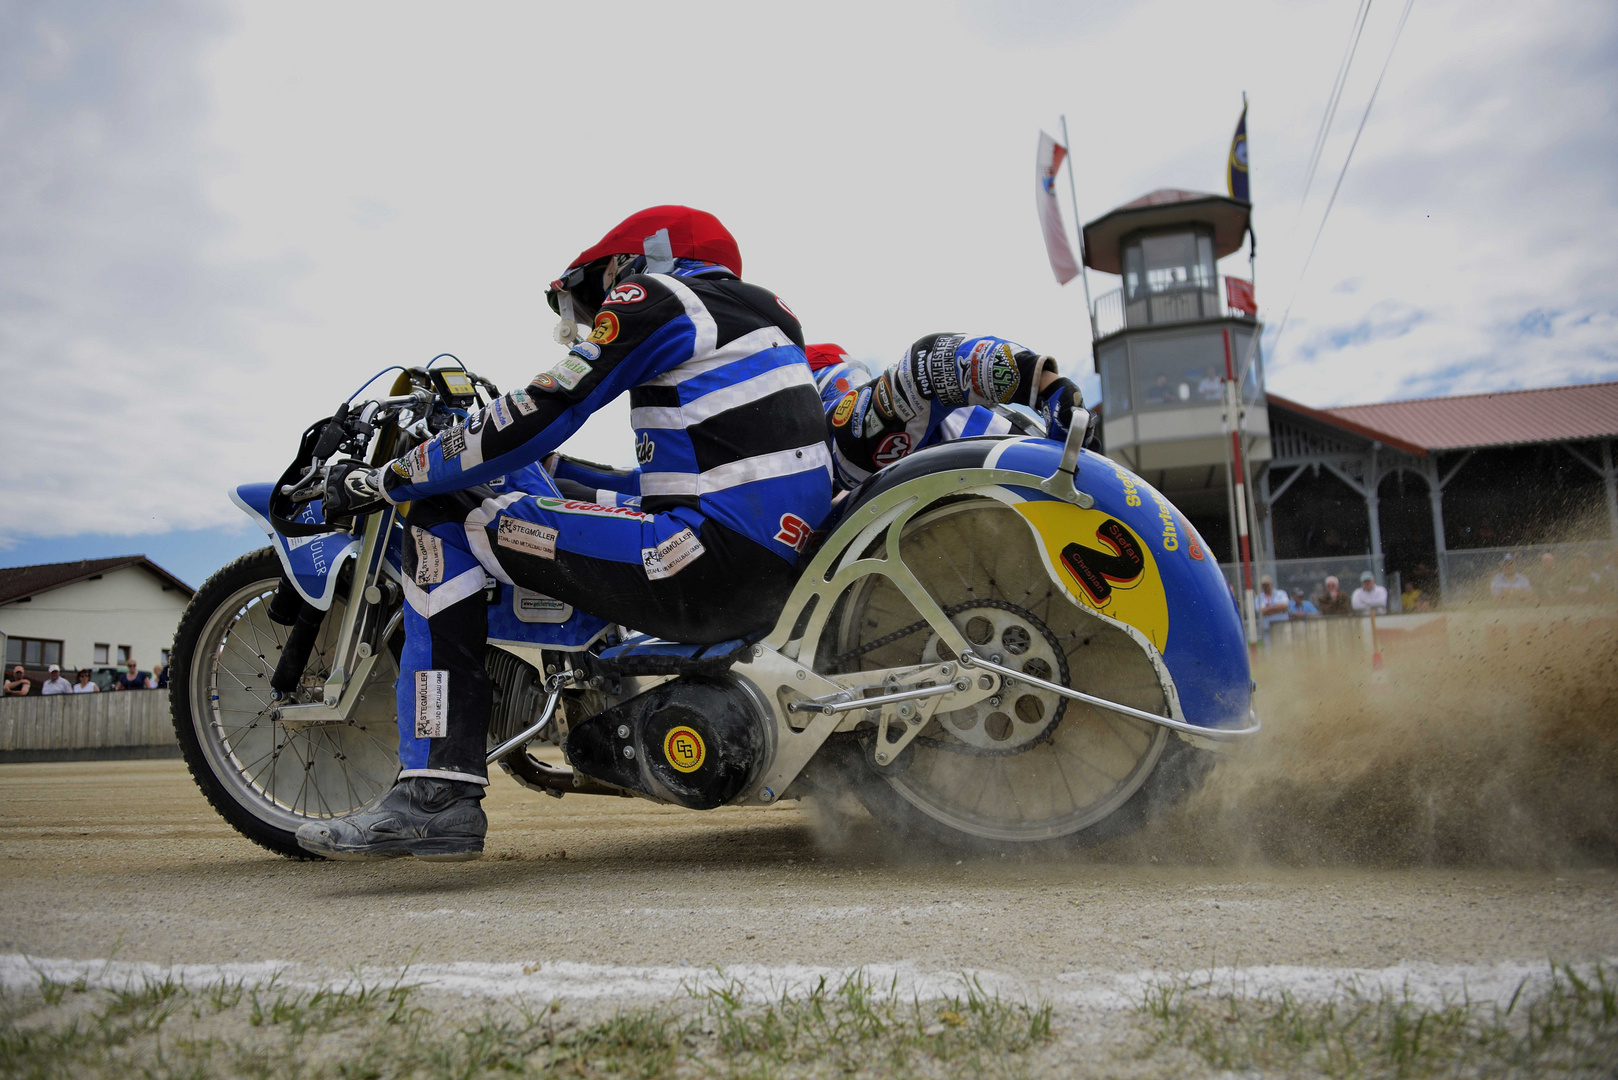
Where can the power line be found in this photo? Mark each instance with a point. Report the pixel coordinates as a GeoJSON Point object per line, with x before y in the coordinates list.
{"type": "Point", "coordinates": [1332, 100]}
{"type": "Point", "coordinates": [1399, 30]}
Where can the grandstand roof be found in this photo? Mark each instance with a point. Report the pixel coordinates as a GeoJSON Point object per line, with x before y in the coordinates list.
{"type": "Point", "coordinates": [1510, 418]}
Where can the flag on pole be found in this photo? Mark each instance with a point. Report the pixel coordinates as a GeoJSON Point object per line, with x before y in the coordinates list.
{"type": "Point", "coordinates": [1239, 296]}
{"type": "Point", "coordinates": [1063, 264]}
{"type": "Point", "coordinates": [1236, 165]}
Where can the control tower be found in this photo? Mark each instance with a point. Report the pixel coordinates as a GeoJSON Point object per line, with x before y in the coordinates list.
{"type": "Point", "coordinates": [1166, 343]}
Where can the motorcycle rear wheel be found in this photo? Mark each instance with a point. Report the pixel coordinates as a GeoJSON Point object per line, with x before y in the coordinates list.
{"type": "Point", "coordinates": [264, 778]}
{"type": "Point", "coordinates": [1036, 769]}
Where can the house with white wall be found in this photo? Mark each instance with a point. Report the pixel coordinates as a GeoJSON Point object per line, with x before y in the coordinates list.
{"type": "Point", "coordinates": [91, 613]}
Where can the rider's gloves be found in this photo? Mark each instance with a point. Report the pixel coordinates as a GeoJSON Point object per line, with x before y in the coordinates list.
{"type": "Point", "coordinates": [1056, 404]}
{"type": "Point", "coordinates": [352, 488]}
{"type": "Point", "coordinates": [956, 370]}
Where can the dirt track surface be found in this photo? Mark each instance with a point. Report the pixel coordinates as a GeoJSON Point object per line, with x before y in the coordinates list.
{"type": "Point", "coordinates": [126, 858]}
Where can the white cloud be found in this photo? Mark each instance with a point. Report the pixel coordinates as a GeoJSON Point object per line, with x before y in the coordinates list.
{"type": "Point", "coordinates": [213, 228]}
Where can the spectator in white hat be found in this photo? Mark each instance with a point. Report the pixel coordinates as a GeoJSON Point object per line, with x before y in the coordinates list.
{"type": "Point", "coordinates": [1509, 585]}
{"type": "Point", "coordinates": [1370, 598]}
{"type": "Point", "coordinates": [55, 684]}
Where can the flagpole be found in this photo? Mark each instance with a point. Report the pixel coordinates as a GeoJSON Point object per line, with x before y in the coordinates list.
{"type": "Point", "coordinates": [1078, 225]}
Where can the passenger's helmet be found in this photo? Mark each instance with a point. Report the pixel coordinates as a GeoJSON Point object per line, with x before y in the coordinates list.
{"type": "Point", "coordinates": [649, 242]}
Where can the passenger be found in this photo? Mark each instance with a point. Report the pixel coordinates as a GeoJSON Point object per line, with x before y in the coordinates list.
{"type": "Point", "coordinates": [940, 391]}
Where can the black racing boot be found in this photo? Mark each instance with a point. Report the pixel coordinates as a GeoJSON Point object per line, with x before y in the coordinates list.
{"type": "Point", "coordinates": [438, 820]}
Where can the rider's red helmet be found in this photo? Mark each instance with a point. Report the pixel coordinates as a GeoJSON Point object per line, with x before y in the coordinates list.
{"type": "Point", "coordinates": [661, 234]}
{"type": "Point", "coordinates": [824, 356]}
{"type": "Point", "coordinates": [669, 232]}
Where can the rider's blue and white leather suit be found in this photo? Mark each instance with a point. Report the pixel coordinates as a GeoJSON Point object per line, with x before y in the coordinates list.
{"type": "Point", "coordinates": [700, 544]}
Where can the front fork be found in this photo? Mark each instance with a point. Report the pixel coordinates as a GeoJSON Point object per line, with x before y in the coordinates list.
{"type": "Point", "coordinates": [353, 655]}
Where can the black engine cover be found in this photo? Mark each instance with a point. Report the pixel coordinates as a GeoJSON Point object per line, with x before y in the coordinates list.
{"type": "Point", "coordinates": [694, 742]}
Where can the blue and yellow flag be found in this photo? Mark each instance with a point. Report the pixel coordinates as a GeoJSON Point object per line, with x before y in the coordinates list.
{"type": "Point", "coordinates": [1236, 166]}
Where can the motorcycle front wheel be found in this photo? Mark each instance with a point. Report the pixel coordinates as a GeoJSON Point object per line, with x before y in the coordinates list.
{"type": "Point", "coordinates": [264, 777]}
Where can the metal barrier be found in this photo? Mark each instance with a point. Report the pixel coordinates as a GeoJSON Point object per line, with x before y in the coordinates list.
{"type": "Point", "coordinates": [127, 723]}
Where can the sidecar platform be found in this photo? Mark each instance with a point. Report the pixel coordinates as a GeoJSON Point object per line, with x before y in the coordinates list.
{"type": "Point", "coordinates": [646, 655]}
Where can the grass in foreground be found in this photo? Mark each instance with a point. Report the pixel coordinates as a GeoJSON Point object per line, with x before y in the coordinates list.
{"type": "Point", "coordinates": [1570, 1028]}
{"type": "Point", "coordinates": [164, 1030]}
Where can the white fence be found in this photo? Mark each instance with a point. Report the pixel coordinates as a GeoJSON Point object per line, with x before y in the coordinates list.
{"type": "Point", "coordinates": [127, 723]}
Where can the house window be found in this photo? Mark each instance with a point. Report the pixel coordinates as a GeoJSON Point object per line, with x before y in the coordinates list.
{"type": "Point", "coordinates": [124, 653]}
{"type": "Point", "coordinates": [33, 652]}
{"type": "Point", "coordinates": [101, 651]}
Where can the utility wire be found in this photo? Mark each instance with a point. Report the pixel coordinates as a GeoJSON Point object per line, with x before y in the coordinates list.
{"type": "Point", "coordinates": [1332, 100]}
{"type": "Point", "coordinates": [1275, 343]}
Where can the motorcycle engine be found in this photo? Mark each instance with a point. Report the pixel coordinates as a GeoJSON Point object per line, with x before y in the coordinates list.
{"type": "Point", "coordinates": [694, 742]}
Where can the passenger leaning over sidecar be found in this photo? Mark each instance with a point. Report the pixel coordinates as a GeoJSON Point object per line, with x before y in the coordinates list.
{"type": "Point", "coordinates": [698, 545]}
{"type": "Point", "coordinates": [938, 392]}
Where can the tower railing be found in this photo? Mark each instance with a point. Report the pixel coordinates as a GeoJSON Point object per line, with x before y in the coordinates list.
{"type": "Point", "coordinates": [1165, 305]}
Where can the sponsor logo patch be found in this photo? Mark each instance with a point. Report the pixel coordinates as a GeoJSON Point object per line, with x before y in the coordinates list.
{"type": "Point", "coordinates": [884, 397]}
{"type": "Point", "coordinates": [1002, 377]}
{"type": "Point", "coordinates": [645, 448]}
{"type": "Point", "coordinates": [605, 331]}
{"type": "Point", "coordinates": [432, 704]}
{"type": "Point", "coordinates": [533, 607]}
{"type": "Point", "coordinates": [683, 749]}
{"type": "Point", "coordinates": [499, 413]}
{"type": "Point", "coordinates": [795, 532]}
{"type": "Point", "coordinates": [892, 448]}
{"type": "Point", "coordinates": [452, 443]}
{"type": "Point", "coordinates": [844, 410]}
{"type": "Point", "coordinates": [628, 293]}
{"type": "Point", "coordinates": [525, 536]}
{"type": "Point", "coordinates": [574, 506]}
{"type": "Point", "coordinates": [672, 555]}
{"type": "Point", "coordinates": [429, 557]}
{"type": "Point", "coordinates": [522, 402]}
{"type": "Point", "coordinates": [545, 381]}
{"type": "Point", "coordinates": [862, 406]}
{"type": "Point", "coordinates": [571, 371]}
{"type": "Point", "coordinates": [413, 465]}
{"type": "Point", "coordinates": [587, 349]}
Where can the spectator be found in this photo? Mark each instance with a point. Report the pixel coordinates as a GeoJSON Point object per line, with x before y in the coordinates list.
{"type": "Point", "coordinates": [1160, 392]}
{"type": "Point", "coordinates": [1370, 598]}
{"type": "Point", "coordinates": [1510, 586]}
{"type": "Point", "coordinates": [160, 677]}
{"type": "Point", "coordinates": [1212, 387]}
{"type": "Point", "coordinates": [1271, 606]}
{"type": "Point", "coordinates": [1332, 600]}
{"type": "Point", "coordinates": [19, 684]}
{"type": "Point", "coordinates": [55, 684]}
{"type": "Point", "coordinates": [85, 685]}
{"type": "Point", "coordinates": [132, 679]}
{"type": "Point", "coordinates": [1302, 608]}
{"type": "Point", "coordinates": [1410, 598]}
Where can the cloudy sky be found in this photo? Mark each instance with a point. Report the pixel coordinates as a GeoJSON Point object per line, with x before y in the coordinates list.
{"type": "Point", "coordinates": [217, 220]}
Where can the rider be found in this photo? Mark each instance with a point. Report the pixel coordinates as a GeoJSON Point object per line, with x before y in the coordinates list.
{"type": "Point", "coordinates": [937, 393]}
{"type": "Point", "coordinates": [735, 475]}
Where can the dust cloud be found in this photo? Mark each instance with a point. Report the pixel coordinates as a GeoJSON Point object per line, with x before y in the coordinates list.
{"type": "Point", "coordinates": [1490, 742]}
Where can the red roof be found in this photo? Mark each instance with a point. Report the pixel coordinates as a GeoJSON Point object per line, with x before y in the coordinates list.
{"type": "Point", "coordinates": [19, 582]}
{"type": "Point", "coordinates": [1166, 196]}
{"type": "Point", "coordinates": [1510, 418]}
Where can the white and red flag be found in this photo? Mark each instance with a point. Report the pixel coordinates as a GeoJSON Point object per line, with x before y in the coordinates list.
{"type": "Point", "coordinates": [1063, 264]}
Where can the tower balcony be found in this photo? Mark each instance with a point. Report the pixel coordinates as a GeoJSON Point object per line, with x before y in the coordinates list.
{"type": "Point", "coordinates": [1163, 303]}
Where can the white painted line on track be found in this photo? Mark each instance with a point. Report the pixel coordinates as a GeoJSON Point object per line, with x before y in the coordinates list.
{"type": "Point", "coordinates": [1428, 984]}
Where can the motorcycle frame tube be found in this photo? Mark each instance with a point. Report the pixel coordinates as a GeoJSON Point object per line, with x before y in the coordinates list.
{"type": "Point", "coordinates": [839, 565]}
